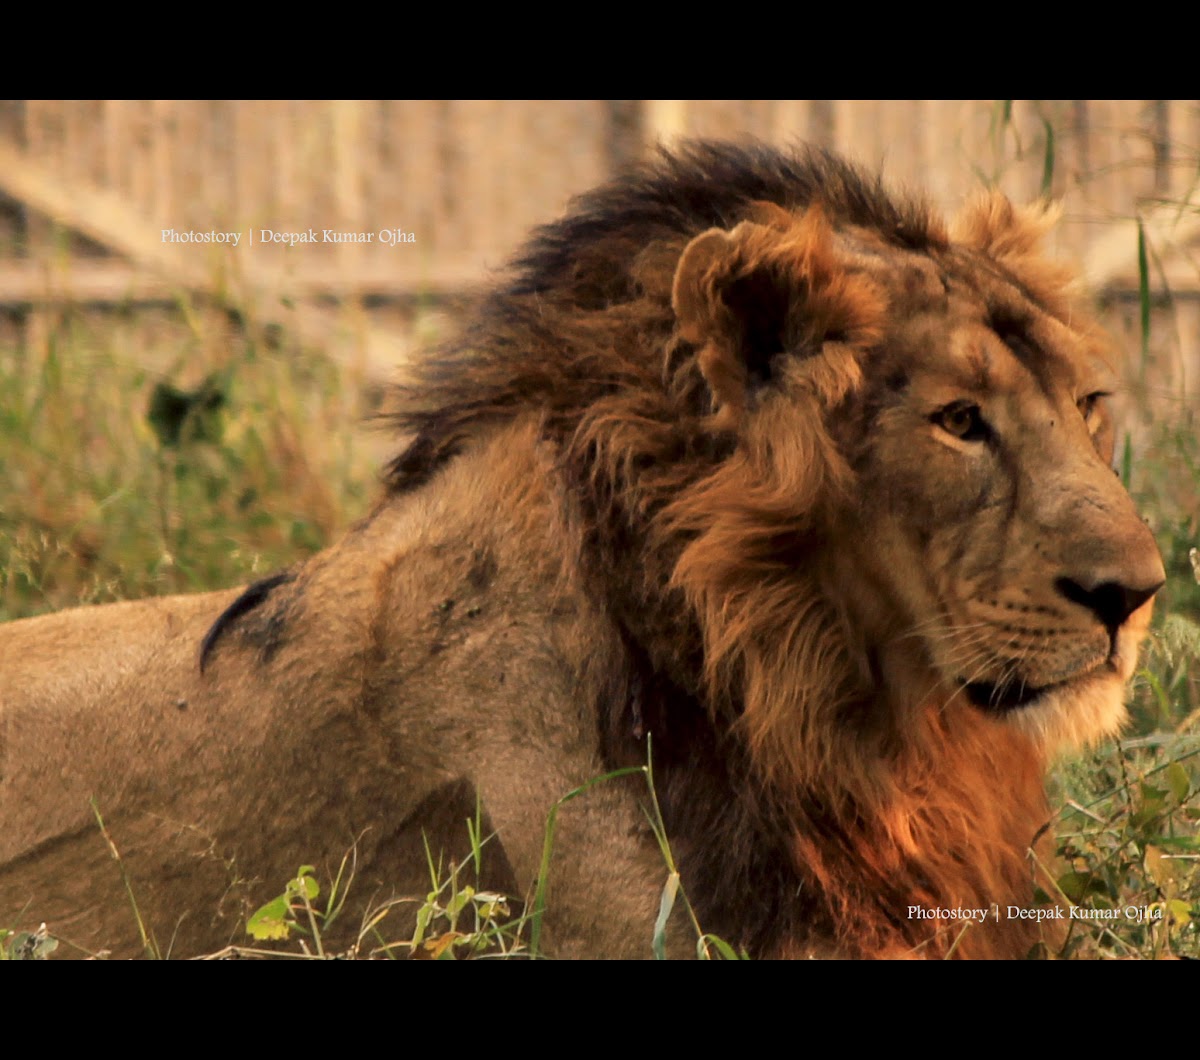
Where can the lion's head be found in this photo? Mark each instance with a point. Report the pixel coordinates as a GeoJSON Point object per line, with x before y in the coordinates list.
{"type": "Point", "coordinates": [844, 483]}
{"type": "Point", "coordinates": [937, 413]}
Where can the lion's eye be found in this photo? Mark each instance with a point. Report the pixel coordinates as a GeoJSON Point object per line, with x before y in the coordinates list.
{"type": "Point", "coordinates": [1089, 406]}
{"type": "Point", "coordinates": [963, 420]}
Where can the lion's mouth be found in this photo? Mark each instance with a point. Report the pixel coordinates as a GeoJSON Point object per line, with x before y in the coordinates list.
{"type": "Point", "coordinates": [1004, 696]}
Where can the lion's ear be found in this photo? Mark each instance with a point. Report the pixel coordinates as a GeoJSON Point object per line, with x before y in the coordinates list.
{"type": "Point", "coordinates": [770, 214]}
{"type": "Point", "coordinates": [1012, 236]}
{"type": "Point", "coordinates": [992, 224]}
{"type": "Point", "coordinates": [747, 295]}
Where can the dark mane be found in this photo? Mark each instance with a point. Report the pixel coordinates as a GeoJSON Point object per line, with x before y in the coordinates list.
{"type": "Point", "coordinates": [707, 184]}
{"type": "Point", "coordinates": [581, 332]}
{"type": "Point", "coordinates": [535, 341]}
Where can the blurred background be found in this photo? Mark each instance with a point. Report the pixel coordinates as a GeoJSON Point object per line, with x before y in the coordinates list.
{"type": "Point", "coordinates": [178, 413]}
{"type": "Point", "coordinates": [89, 187]}
{"type": "Point", "coordinates": [141, 359]}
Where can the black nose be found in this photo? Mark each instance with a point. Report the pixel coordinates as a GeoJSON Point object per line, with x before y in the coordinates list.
{"type": "Point", "coordinates": [1110, 602]}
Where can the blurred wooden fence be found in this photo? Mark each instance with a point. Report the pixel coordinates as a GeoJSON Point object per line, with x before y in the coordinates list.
{"type": "Point", "coordinates": [87, 189]}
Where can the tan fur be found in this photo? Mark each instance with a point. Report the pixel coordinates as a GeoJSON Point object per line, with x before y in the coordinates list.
{"type": "Point", "coordinates": [817, 497]}
{"type": "Point", "coordinates": [216, 787]}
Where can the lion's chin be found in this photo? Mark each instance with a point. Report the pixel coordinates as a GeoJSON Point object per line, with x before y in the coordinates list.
{"type": "Point", "coordinates": [1068, 715]}
{"type": "Point", "coordinates": [1083, 709]}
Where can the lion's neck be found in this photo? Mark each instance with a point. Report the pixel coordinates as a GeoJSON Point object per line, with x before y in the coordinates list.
{"type": "Point", "coordinates": [949, 831]}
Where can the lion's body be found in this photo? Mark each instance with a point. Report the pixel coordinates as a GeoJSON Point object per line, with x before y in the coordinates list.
{"type": "Point", "coordinates": [436, 619]}
{"type": "Point", "coordinates": [744, 458]}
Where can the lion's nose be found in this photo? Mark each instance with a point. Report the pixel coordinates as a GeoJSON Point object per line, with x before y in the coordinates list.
{"type": "Point", "coordinates": [1110, 601]}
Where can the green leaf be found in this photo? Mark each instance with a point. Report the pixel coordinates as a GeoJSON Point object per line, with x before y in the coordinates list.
{"type": "Point", "coordinates": [724, 950]}
{"type": "Point", "coordinates": [425, 917]}
{"type": "Point", "coordinates": [1078, 885]}
{"type": "Point", "coordinates": [275, 920]}
{"type": "Point", "coordinates": [491, 904]}
{"type": "Point", "coordinates": [304, 885]}
{"type": "Point", "coordinates": [1179, 911]}
{"type": "Point", "coordinates": [1178, 781]}
{"type": "Point", "coordinates": [1154, 802]}
{"type": "Point", "coordinates": [1159, 869]}
{"type": "Point", "coordinates": [271, 922]}
{"type": "Point", "coordinates": [459, 902]}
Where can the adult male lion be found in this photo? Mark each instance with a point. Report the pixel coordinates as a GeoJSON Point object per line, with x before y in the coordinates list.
{"type": "Point", "coordinates": [744, 461]}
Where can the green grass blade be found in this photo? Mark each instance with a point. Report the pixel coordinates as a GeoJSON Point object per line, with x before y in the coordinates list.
{"type": "Point", "coordinates": [665, 906]}
{"type": "Point", "coordinates": [1048, 160]}
{"type": "Point", "coordinates": [539, 896]}
{"type": "Point", "coordinates": [1143, 294]}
